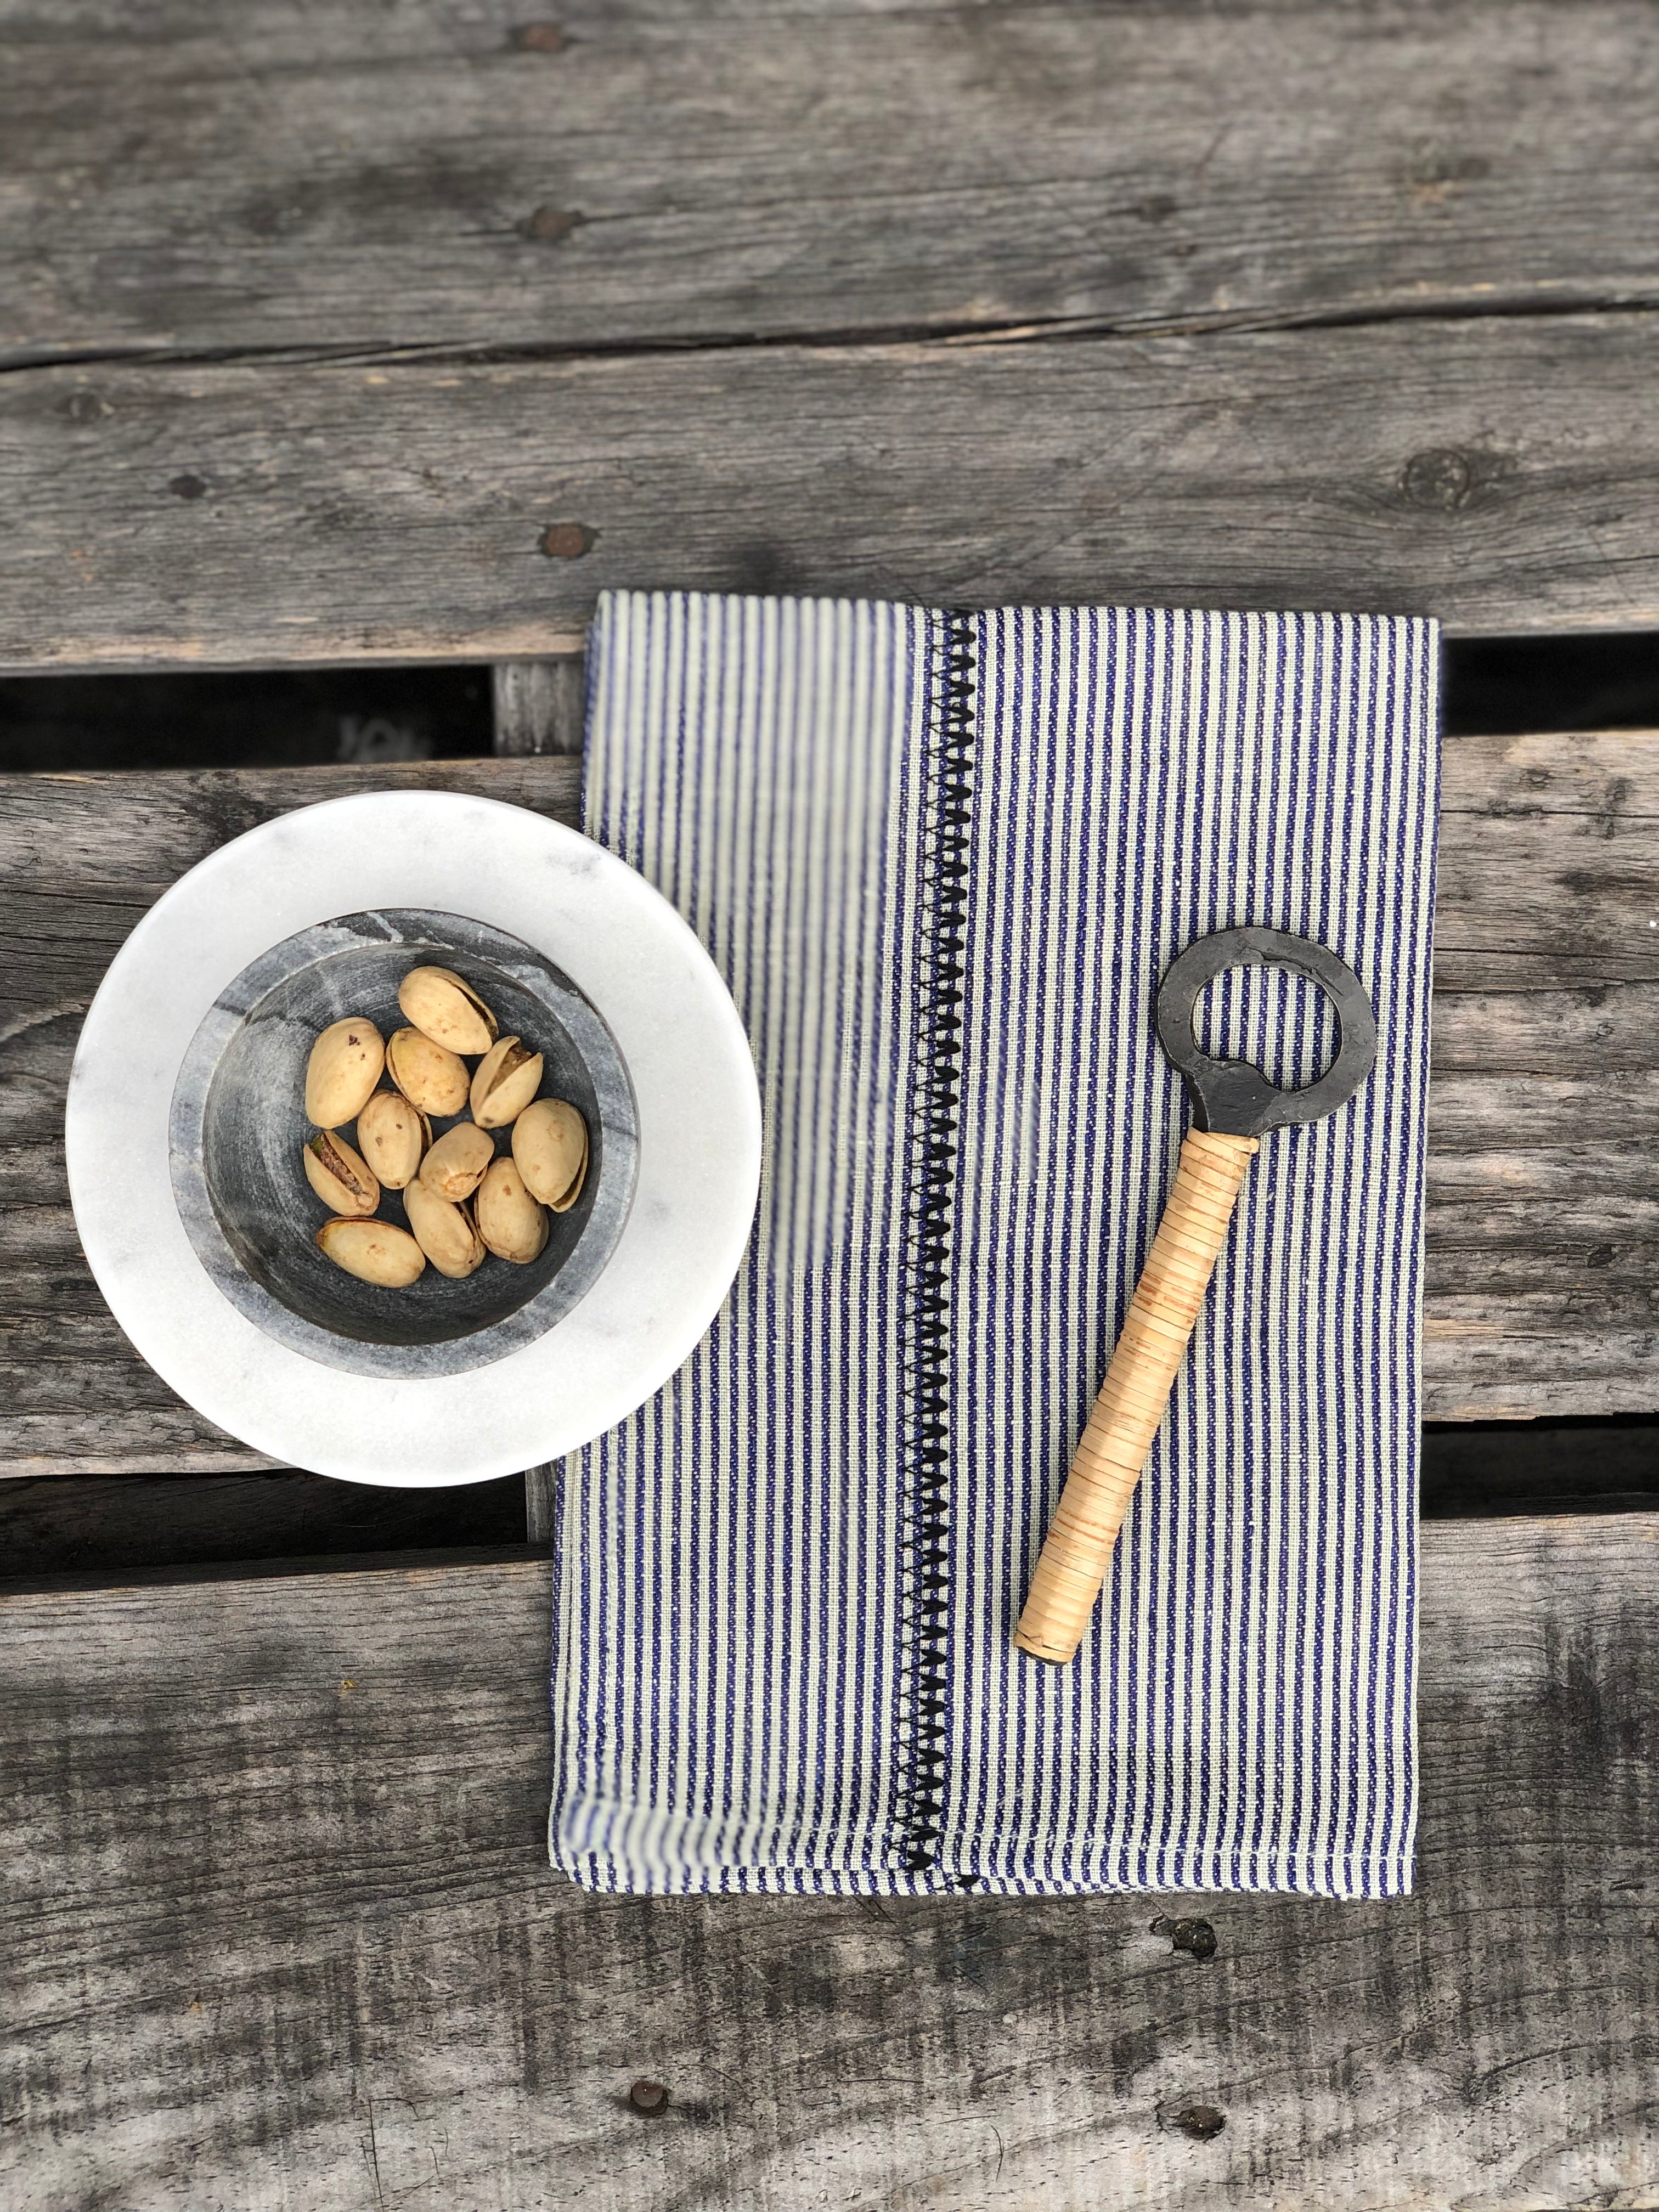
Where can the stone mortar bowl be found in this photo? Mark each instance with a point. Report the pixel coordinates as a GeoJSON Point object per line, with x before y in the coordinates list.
{"type": "Point", "coordinates": [237, 1126]}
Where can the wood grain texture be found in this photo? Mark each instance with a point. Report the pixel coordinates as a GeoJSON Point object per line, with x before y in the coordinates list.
{"type": "Point", "coordinates": [1503, 473]}
{"type": "Point", "coordinates": [539, 706]}
{"type": "Point", "coordinates": [1543, 1223]}
{"type": "Point", "coordinates": [304, 174]}
{"type": "Point", "coordinates": [279, 1929]}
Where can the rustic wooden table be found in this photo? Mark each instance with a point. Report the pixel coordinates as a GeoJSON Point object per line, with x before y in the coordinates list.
{"type": "Point", "coordinates": [334, 335]}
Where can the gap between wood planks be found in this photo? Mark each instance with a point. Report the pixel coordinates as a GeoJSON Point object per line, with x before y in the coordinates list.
{"type": "Point", "coordinates": [71, 1582]}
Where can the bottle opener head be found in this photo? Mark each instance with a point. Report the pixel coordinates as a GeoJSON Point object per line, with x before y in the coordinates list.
{"type": "Point", "coordinates": [1230, 1096]}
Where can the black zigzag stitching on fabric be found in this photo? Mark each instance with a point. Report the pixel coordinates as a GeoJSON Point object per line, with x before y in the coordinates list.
{"type": "Point", "coordinates": [924, 1510]}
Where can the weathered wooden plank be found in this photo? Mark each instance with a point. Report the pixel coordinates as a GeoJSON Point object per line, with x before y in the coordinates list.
{"type": "Point", "coordinates": [1503, 473]}
{"type": "Point", "coordinates": [540, 706]}
{"type": "Point", "coordinates": [1543, 1231]}
{"type": "Point", "coordinates": [136, 833]}
{"type": "Point", "coordinates": [208, 184]}
{"type": "Point", "coordinates": [280, 1930]}
{"type": "Point", "coordinates": [1544, 1197]}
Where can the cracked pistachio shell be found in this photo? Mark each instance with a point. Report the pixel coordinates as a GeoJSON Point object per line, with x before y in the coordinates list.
{"type": "Point", "coordinates": [444, 1006]}
{"type": "Point", "coordinates": [509, 1220]}
{"type": "Point", "coordinates": [338, 1176]}
{"type": "Point", "coordinates": [505, 1081]}
{"type": "Point", "coordinates": [446, 1233]}
{"type": "Point", "coordinates": [550, 1144]}
{"type": "Point", "coordinates": [374, 1251]}
{"type": "Point", "coordinates": [455, 1167]}
{"type": "Point", "coordinates": [394, 1138]}
{"type": "Point", "coordinates": [342, 1070]}
{"type": "Point", "coordinates": [429, 1075]}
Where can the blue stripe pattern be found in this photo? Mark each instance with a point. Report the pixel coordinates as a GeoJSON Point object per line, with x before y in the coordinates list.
{"type": "Point", "coordinates": [782, 1644]}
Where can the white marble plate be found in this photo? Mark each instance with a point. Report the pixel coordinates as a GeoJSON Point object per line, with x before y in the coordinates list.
{"type": "Point", "coordinates": [696, 1120]}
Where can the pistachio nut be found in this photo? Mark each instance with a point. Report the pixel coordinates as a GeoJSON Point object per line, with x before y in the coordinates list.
{"type": "Point", "coordinates": [550, 1144]}
{"type": "Point", "coordinates": [374, 1251]}
{"type": "Point", "coordinates": [395, 1138]}
{"type": "Point", "coordinates": [504, 1082]}
{"type": "Point", "coordinates": [509, 1220]}
{"type": "Point", "coordinates": [444, 1006]}
{"type": "Point", "coordinates": [446, 1233]}
{"type": "Point", "coordinates": [455, 1167]}
{"type": "Point", "coordinates": [343, 1069]}
{"type": "Point", "coordinates": [429, 1075]}
{"type": "Point", "coordinates": [339, 1178]}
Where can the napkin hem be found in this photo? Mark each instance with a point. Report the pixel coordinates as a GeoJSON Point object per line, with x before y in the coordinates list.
{"type": "Point", "coordinates": [942, 868]}
{"type": "Point", "coordinates": [1347, 1878]}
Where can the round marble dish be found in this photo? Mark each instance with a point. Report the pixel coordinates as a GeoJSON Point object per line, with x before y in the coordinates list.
{"type": "Point", "coordinates": [184, 1168]}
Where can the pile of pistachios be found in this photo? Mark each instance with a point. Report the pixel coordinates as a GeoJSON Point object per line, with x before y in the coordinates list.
{"type": "Point", "coordinates": [462, 1200]}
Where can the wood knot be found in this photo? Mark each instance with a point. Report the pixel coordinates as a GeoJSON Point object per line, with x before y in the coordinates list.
{"type": "Point", "coordinates": [1203, 2123]}
{"type": "Point", "coordinates": [546, 226]}
{"type": "Point", "coordinates": [648, 2097]}
{"type": "Point", "coordinates": [188, 487]}
{"type": "Point", "coordinates": [539, 37]}
{"type": "Point", "coordinates": [86, 407]}
{"type": "Point", "coordinates": [568, 541]}
{"type": "Point", "coordinates": [1440, 477]}
{"type": "Point", "coordinates": [1196, 1936]}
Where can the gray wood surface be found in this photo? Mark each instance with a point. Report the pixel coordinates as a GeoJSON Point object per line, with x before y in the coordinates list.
{"type": "Point", "coordinates": [334, 335]}
{"type": "Point", "coordinates": [278, 1930]}
{"type": "Point", "coordinates": [1543, 1225]}
{"type": "Point", "coordinates": [312, 174]}
{"type": "Point", "coordinates": [539, 706]}
{"type": "Point", "coordinates": [1501, 472]}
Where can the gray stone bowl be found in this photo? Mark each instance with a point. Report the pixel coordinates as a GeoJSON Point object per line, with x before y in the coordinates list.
{"type": "Point", "coordinates": [238, 1128]}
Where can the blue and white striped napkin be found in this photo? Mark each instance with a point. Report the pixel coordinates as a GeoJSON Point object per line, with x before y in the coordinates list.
{"type": "Point", "coordinates": [943, 860]}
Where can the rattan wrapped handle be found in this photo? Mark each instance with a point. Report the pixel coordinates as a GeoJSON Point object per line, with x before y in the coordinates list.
{"type": "Point", "coordinates": [1112, 1449]}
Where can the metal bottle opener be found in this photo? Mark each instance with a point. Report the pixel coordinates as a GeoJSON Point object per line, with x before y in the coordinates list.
{"type": "Point", "coordinates": [1233, 1106]}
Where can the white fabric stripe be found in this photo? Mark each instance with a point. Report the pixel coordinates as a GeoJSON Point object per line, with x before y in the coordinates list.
{"type": "Point", "coordinates": [728, 1694]}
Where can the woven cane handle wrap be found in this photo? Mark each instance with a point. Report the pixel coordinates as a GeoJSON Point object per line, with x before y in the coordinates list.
{"type": "Point", "coordinates": [1112, 1449]}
